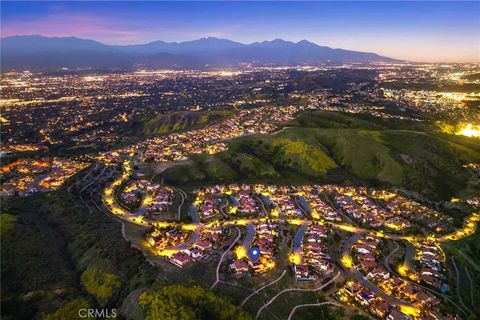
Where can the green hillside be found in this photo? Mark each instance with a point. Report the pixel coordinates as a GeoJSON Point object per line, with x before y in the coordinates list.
{"type": "Point", "coordinates": [165, 123]}
{"type": "Point", "coordinates": [321, 145]}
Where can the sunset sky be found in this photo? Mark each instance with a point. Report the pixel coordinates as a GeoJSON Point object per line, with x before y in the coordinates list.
{"type": "Point", "coordinates": [416, 31]}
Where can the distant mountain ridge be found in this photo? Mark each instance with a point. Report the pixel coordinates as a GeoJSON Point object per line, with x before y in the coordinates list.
{"type": "Point", "coordinates": [39, 52]}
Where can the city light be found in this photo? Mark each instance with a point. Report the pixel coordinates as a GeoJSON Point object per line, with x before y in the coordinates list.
{"type": "Point", "coordinates": [240, 252]}
{"type": "Point", "coordinates": [469, 130]}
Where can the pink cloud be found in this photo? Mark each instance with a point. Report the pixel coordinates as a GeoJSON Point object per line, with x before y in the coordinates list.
{"type": "Point", "coordinates": [84, 26]}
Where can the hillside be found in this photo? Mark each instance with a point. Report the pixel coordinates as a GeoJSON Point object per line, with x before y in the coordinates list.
{"type": "Point", "coordinates": [165, 123]}
{"type": "Point", "coordinates": [338, 147]}
{"type": "Point", "coordinates": [60, 256]}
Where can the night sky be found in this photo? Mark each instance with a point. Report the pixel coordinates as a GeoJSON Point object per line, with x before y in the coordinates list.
{"type": "Point", "coordinates": [417, 31]}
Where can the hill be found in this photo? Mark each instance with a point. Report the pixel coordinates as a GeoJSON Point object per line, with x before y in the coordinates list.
{"type": "Point", "coordinates": [339, 147]}
{"type": "Point", "coordinates": [165, 123]}
{"type": "Point", "coordinates": [60, 255]}
{"type": "Point", "coordinates": [50, 53]}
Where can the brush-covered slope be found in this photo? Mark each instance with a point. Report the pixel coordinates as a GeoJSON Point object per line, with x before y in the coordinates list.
{"type": "Point", "coordinates": [165, 123]}
{"type": "Point", "coordinates": [334, 146]}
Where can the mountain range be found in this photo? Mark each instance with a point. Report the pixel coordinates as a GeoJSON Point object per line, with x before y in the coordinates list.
{"type": "Point", "coordinates": [47, 53]}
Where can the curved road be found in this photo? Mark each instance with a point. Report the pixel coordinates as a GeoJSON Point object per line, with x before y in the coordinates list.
{"type": "Point", "coordinates": [387, 259]}
{"type": "Point", "coordinates": [360, 278]}
{"type": "Point", "coordinates": [223, 256]}
{"type": "Point", "coordinates": [183, 195]}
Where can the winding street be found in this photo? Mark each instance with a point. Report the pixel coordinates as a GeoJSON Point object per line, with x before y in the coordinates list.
{"type": "Point", "coordinates": [409, 254]}
{"type": "Point", "coordinates": [387, 259]}
{"type": "Point", "coordinates": [352, 270]}
{"type": "Point", "coordinates": [217, 272]}
{"type": "Point", "coordinates": [223, 206]}
{"type": "Point", "coordinates": [264, 210]}
{"type": "Point", "coordinates": [249, 236]}
{"type": "Point", "coordinates": [183, 195]}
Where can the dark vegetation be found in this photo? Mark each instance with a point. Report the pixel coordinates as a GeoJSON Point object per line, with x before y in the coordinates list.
{"type": "Point", "coordinates": [56, 255]}
{"type": "Point", "coordinates": [181, 302]}
{"type": "Point", "coordinates": [59, 257]}
{"type": "Point", "coordinates": [336, 147]}
{"type": "Point", "coordinates": [466, 254]}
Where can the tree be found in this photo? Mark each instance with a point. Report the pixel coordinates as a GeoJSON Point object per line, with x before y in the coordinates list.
{"type": "Point", "coordinates": [181, 302]}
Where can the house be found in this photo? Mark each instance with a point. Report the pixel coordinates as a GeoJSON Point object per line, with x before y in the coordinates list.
{"type": "Point", "coordinates": [196, 253]}
{"type": "Point", "coordinates": [379, 272]}
{"type": "Point", "coordinates": [203, 245]}
{"type": "Point", "coordinates": [352, 288]}
{"type": "Point", "coordinates": [426, 299]}
{"type": "Point", "coordinates": [239, 266]}
{"type": "Point", "coordinates": [258, 266]}
{"type": "Point", "coordinates": [380, 309]}
{"type": "Point", "coordinates": [431, 280]}
{"type": "Point", "coordinates": [397, 315]}
{"type": "Point", "coordinates": [429, 272]}
{"type": "Point", "coordinates": [180, 259]}
{"type": "Point", "coordinates": [302, 272]}
{"type": "Point", "coordinates": [364, 296]}
{"type": "Point", "coordinates": [318, 229]}
{"type": "Point", "coordinates": [364, 249]}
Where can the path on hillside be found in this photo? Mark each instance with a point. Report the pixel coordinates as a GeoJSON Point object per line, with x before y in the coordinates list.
{"type": "Point", "coordinates": [387, 259]}
{"type": "Point", "coordinates": [217, 272]}
{"type": "Point", "coordinates": [265, 305]}
{"type": "Point", "coordinates": [457, 278]}
{"type": "Point", "coordinates": [183, 195]}
{"type": "Point", "coordinates": [312, 305]}
{"type": "Point", "coordinates": [265, 286]}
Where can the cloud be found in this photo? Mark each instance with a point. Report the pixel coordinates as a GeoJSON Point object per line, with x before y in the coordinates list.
{"type": "Point", "coordinates": [62, 24]}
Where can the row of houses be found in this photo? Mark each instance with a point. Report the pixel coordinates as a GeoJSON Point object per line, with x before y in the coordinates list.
{"type": "Point", "coordinates": [354, 293]}
{"type": "Point", "coordinates": [157, 198]}
{"type": "Point", "coordinates": [315, 259]}
{"type": "Point", "coordinates": [28, 176]}
{"type": "Point", "coordinates": [429, 259]}
{"type": "Point", "coordinates": [179, 145]}
{"type": "Point", "coordinates": [366, 251]}
{"type": "Point", "coordinates": [196, 251]}
{"type": "Point", "coordinates": [265, 234]}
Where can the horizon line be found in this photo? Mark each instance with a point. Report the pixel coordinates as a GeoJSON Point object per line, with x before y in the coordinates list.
{"type": "Point", "coordinates": [242, 43]}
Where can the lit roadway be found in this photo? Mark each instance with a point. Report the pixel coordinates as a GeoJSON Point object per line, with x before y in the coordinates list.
{"type": "Point", "coordinates": [109, 200]}
{"type": "Point", "coordinates": [111, 203]}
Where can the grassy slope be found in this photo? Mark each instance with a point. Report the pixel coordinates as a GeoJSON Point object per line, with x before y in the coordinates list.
{"type": "Point", "coordinates": [319, 145]}
{"type": "Point", "coordinates": [165, 123]}
{"type": "Point", "coordinates": [467, 256]}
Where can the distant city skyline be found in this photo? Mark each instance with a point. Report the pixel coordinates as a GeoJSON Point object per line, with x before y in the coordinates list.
{"type": "Point", "coordinates": [415, 31]}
